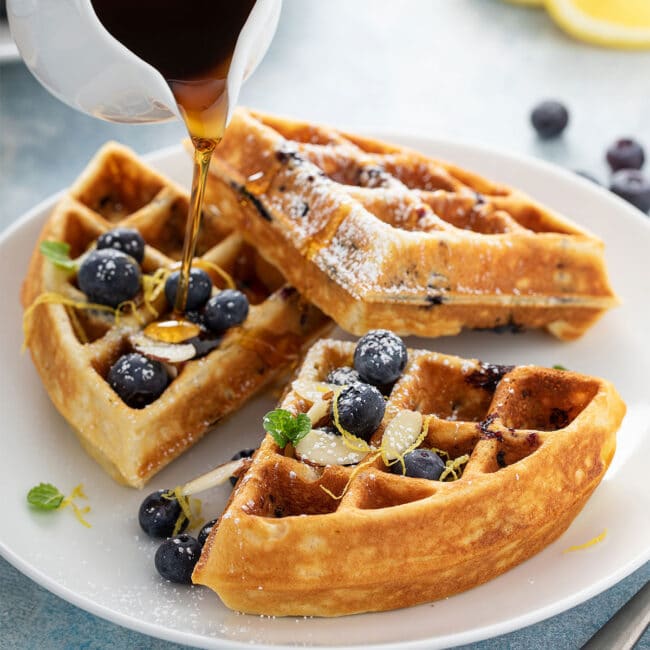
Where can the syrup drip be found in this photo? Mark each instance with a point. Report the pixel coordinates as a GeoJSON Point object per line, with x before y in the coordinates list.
{"type": "Point", "coordinates": [191, 43]}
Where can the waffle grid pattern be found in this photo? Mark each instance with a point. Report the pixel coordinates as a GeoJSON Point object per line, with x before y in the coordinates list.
{"type": "Point", "coordinates": [539, 441]}
{"type": "Point", "coordinates": [382, 236]}
{"type": "Point", "coordinates": [118, 190]}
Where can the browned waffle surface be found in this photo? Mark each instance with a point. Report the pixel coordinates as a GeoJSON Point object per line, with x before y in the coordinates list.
{"type": "Point", "coordinates": [539, 441]}
{"type": "Point", "coordinates": [73, 348]}
{"type": "Point", "coordinates": [378, 235]}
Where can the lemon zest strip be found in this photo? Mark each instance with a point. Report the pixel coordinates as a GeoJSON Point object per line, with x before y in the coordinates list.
{"type": "Point", "coordinates": [223, 274]}
{"type": "Point", "coordinates": [77, 493]}
{"type": "Point", "coordinates": [124, 308]}
{"type": "Point", "coordinates": [188, 505]}
{"type": "Point", "coordinates": [591, 542]}
{"type": "Point", "coordinates": [353, 474]}
{"type": "Point", "coordinates": [152, 286]}
{"type": "Point", "coordinates": [49, 298]}
{"type": "Point", "coordinates": [454, 468]}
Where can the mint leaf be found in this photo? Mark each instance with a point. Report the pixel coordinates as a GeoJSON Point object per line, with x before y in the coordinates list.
{"type": "Point", "coordinates": [45, 497]}
{"type": "Point", "coordinates": [285, 428]}
{"type": "Point", "coordinates": [557, 366]}
{"type": "Point", "coordinates": [58, 253]}
{"type": "Point", "coordinates": [302, 427]}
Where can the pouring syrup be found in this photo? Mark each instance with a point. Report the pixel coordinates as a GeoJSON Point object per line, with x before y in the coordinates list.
{"type": "Point", "coordinates": [191, 43]}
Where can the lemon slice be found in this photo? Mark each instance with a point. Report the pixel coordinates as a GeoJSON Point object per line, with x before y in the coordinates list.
{"type": "Point", "coordinates": [625, 23]}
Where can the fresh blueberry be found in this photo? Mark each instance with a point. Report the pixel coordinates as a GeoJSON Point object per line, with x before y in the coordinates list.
{"type": "Point", "coordinates": [137, 379]}
{"type": "Point", "coordinates": [625, 154]}
{"type": "Point", "coordinates": [549, 118]}
{"type": "Point", "coordinates": [360, 409]}
{"type": "Point", "coordinates": [176, 558]}
{"type": "Point", "coordinates": [380, 357]}
{"type": "Point", "coordinates": [158, 514]}
{"type": "Point", "coordinates": [198, 290]}
{"type": "Point", "coordinates": [633, 186]}
{"type": "Point", "coordinates": [205, 531]}
{"type": "Point", "coordinates": [227, 309]}
{"type": "Point", "coordinates": [420, 463]}
{"type": "Point", "coordinates": [343, 376]}
{"type": "Point", "coordinates": [244, 453]}
{"type": "Point", "coordinates": [109, 277]}
{"type": "Point", "coordinates": [127, 240]}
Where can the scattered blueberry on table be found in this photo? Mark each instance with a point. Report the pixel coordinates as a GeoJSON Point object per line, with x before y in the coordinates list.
{"type": "Point", "coordinates": [633, 186]}
{"type": "Point", "coordinates": [625, 153]}
{"type": "Point", "coordinates": [549, 118]}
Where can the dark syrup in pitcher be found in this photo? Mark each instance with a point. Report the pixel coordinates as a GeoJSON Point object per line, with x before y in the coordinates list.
{"type": "Point", "coordinates": [191, 43]}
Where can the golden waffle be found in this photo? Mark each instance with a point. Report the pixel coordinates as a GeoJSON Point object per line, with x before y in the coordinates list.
{"type": "Point", "coordinates": [380, 236]}
{"type": "Point", "coordinates": [539, 441]}
{"type": "Point", "coordinates": [73, 349]}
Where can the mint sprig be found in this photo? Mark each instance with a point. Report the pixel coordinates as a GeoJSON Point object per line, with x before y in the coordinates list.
{"type": "Point", "coordinates": [286, 428]}
{"type": "Point", "coordinates": [58, 253]}
{"type": "Point", "coordinates": [45, 497]}
{"type": "Point", "coordinates": [559, 366]}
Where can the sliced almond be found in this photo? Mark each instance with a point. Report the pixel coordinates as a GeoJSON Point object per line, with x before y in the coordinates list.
{"type": "Point", "coordinates": [401, 433]}
{"type": "Point", "coordinates": [323, 448]}
{"type": "Point", "coordinates": [214, 477]}
{"type": "Point", "coordinates": [319, 409]}
{"type": "Point", "coordinates": [162, 351]}
{"type": "Point", "coordinates": [312, 391]}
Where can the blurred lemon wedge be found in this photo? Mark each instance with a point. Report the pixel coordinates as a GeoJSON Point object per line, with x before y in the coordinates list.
{"type": "Point", "coordinates": [529, 3]}
{"type": "Point", "coordinates": [613, 23]}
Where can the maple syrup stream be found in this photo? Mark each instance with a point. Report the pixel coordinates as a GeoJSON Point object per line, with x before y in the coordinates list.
{"type": "Point", "coordinates": [191, 43]}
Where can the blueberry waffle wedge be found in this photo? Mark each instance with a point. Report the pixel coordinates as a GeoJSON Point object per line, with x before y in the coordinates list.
{"type": "Point", "coordinates": [378, 235]}
{"type": "Point", "coordinates": [104, 271]}
{"type": "Point", "coordinates": [469, 469]}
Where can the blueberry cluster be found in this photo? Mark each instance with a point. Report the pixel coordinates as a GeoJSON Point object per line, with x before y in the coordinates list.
{"type": "Point", "coordinates": [177, 555]}
{"type": "Point", "coordinates": [625, 156]}
{"type": "Point", "coordinates": [110, 274]}
{"type": "Point", "coordinates": [379, 359]}
{"type": "Point", "coordinates": [218, 313]}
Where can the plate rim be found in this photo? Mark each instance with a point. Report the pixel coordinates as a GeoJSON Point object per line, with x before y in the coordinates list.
{"type": "Point", "coordinates": [409, 139]}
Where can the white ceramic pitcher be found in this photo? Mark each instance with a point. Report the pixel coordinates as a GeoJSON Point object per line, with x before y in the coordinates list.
{"type": "Point", "coordinates": [70, 52]}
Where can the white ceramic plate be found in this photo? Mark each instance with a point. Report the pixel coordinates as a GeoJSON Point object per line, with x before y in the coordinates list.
{"type": "Point", "coordinates": [108, 569]}
{"type": "Point", "coordinates": [8, 49]}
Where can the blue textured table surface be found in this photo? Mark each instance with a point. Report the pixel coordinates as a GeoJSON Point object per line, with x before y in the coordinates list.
{"type": "Point", "coordinates": [469, 69]}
